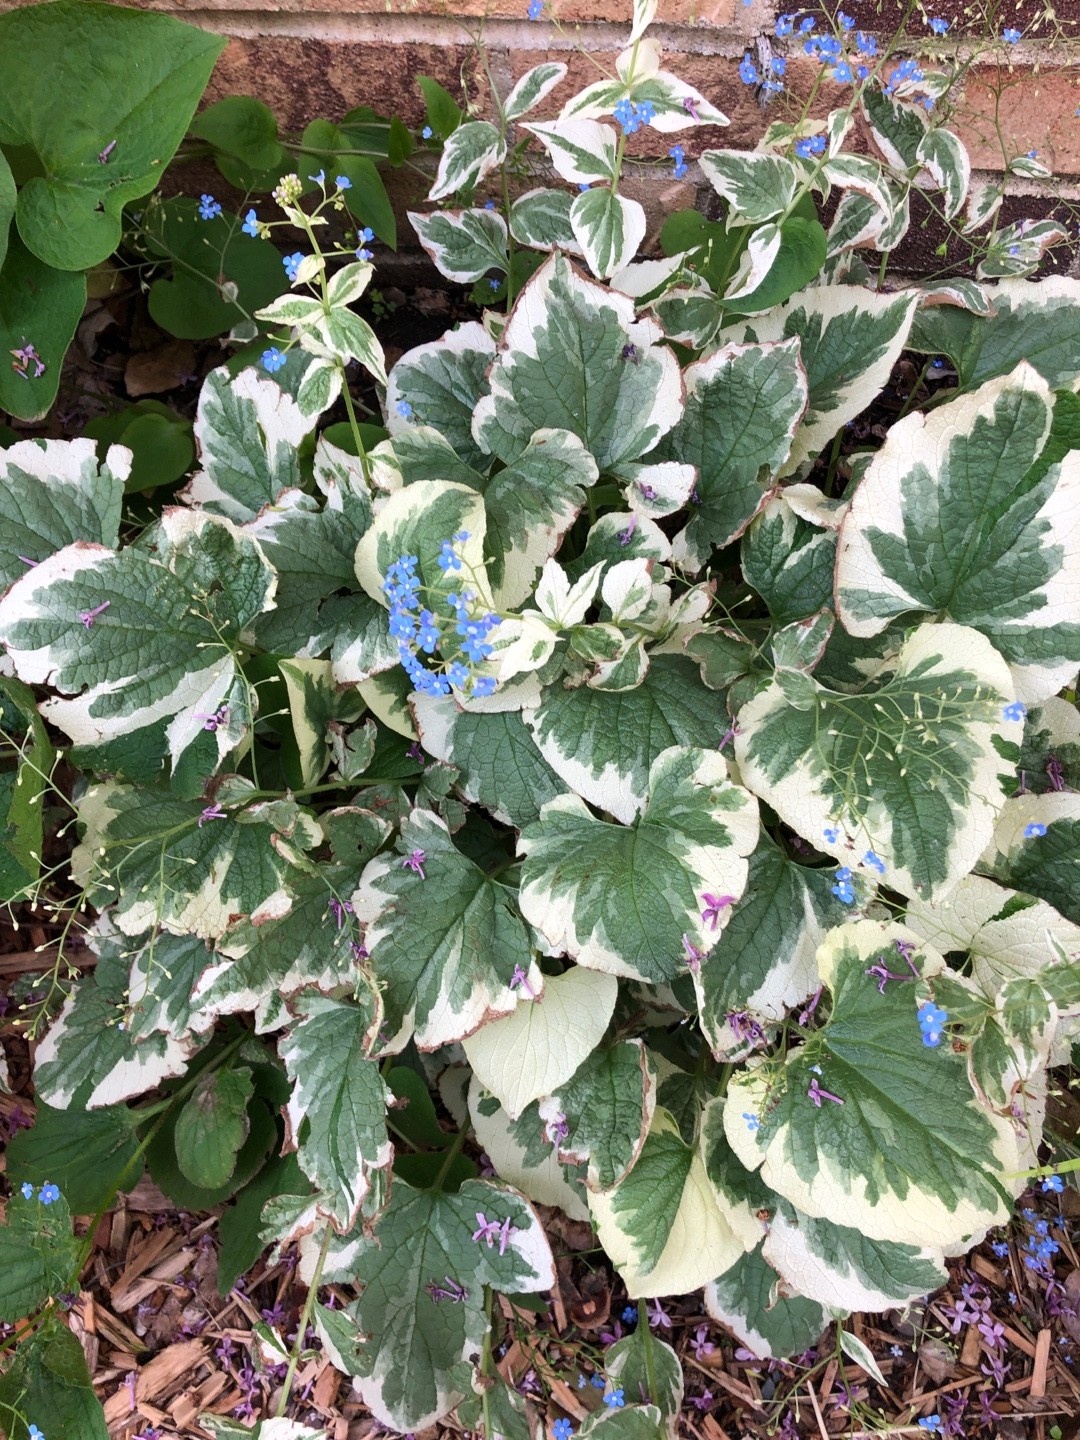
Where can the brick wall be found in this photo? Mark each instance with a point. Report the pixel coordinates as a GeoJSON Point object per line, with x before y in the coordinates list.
{"type": "Point", "coordinates": [308, 58]}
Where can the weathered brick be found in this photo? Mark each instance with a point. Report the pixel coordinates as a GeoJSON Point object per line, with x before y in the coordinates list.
{"type": "Point", "coordinates": [1034, 110]}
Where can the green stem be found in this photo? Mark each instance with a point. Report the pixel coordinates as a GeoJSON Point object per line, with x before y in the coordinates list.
{"type": "Point", "coordinates": [647, 1350]}
{"type": "Point", "coordinates": [305, 1316]}
{"type": "Point", "coordinates": [365, 463]}
{"type": "Point", "coordinates": [451, 1156]}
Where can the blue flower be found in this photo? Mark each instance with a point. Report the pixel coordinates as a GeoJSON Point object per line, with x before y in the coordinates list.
{"type": "Point", "coordinates": [366, 235]}
{"type": "Point", "coordinates": [584, 185]}
{"type": "Point", "coordinates": [562, 1429]}
{"type": "Point", "coordinates": [1010, 35]}
{"type": "Point", "coordinates": [806, 150]}
{"type": "Point", "coordinates": [448, 559]}
{"type": "Point", "coordinates": [932, 1022]}
{"type": "Point", "coordinates": [752, 1121]}
{"type": "Point", "coordinates": [1017, 710]}
{"type": "Point", "coordinates": [785, 24]}
{"type": "Point", "coordinates": [679, 156]}
{"type": "Point", "coordinates": [426, 133]}
{"type": "Point", "coordinates": [615, 1399]}
{"type": "Point", "coordinates": [48, 1193]}
{"type": "Point", "coordinates": [874, 861]}
{"type": "Point", "coordinates": [209, 208]}
{"type": "Point", "coordinates": [1000, 1248]}
{"type": "Point", "coordinates": [404, 409]}
{"type": "Point", "coordinates": [748, 71]}
{"type": "Point", "coordinates": [646, 112]}
{"type": "Point", "coordinates": [843, 889]}
{"type": "Point", "coordinates": [1033, 829]}
{"type": "Point", "coordinates": [778, 64]}
{"type": "Point", "coordinates": [1053, 1184]}
{"type": "Point", "coordinates": [363, 253]}
{"type": "Point", "coordinates": [251, 224]}
{"type": "Point", "coordinates": [939, 26]}
{"type": "Point", "coordinates": [842, 73]}
{"type": "Point", "coordinates": [342, 182]}
{"type": "Point", "coordinates": [35, 1434]}
{"type": "Point", "coordinates": [536, 9]}
{"type": "Point", "coordinates": [494, 284]}
{"type": "Point", "coordinates": [427, 635]}
{"type": "Point", "coordinates": [273, 359]}
{"type": "Point", "coordinates": [319, 178]}
{"type": "Point", "coordinates": [1028, 1214]}
{"type": "Point", "coordinates": [865, 44]}
{"type": "Point", "coordinates": [806, 26]}
{"type": "Point", "coordinates": [844, 21]}
{"type": "Point", "coordinates": [489, 204]}
{"type": "Point", "coordinates": [931, 1422]}
{"type": "Point", "coordinates": [598, 1382]}
{"type": "Point", "coordinates": [292, 264]}
{"type": "Point", "coordinates": [483, 685]}
{"type": "Point", "coordinates": [629, 1315]}
{"type": "Point", "coordinates": [27, 1190]}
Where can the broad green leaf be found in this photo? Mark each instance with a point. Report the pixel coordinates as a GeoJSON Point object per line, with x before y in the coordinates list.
{"type": "Point", "coordinates": [607, 1105]}
{"type": "Point", "coordinates": [764, 961]}
{"type": "Point", "coordinates": [501, 768]}
{"type": "Point", "coordinates": [582, 732]}
{"type": "Point", "coordinates": [907, 772]}
{"type": "Point", "coordinates": [742, 406]}
{"type": "Point", "coordinates": [757, 186]}
{"type": "Point", "coordinates": [154, 640]}
{"type": "Point", "coordinates": [748, 1299]}
{"type": "Point", "coordinates": [647, 1367]}
{"type": "Point", "coordinates": [1042, 864]}
{"type": "Point", "coordinates": [618, 406]}
{"type": "Point", "coordinates": [23, 789]}
{"type": "Point", "coordinates": [48, 1379]}
{"type": "Point", "coordinates": [1036, 322]}
{"type": "Point", "coordinates": [789, 562]}
{"type": "Point", "coordinates": [213, 1125]}
{"type": "Point", "coordinates": [243, 127]}
{"type": "Point", "coordinates": [314, 704]}
{"type": "Point", "coordinates": [662, 1226]}
{"type": "Point", "coordinates": [538, 1047]}
{"type": "Point", "coordinates": [581, 151]}
{"type": "Point", "coordinates": [444, 943]}
{"type": "Point", "coordinates": [541, 219]}
{"type": "Point", "coordinates": [441, 382]}
{"type": "Point", "coordinates": [968, 512]}
{"type": "Point", "coordinates": [893, 1168]}
{"type": "Point", "coordinates": [797, 260]}
{"type": "Point", "coordinates": [470, 153]}
{"type": "Point", "coordinates": [91, 1051]}
{"type": "Point", "coordinates": [844, 1270]}
{"type": "Point", "coordinates": [410, 1368]}
{"type": "Point", "coordinates": [625, 898]}
{"type": "Point", "coordinates": [337, 1110]}
{"type": "Point", "coordinates": [38, 1253]}
{"type": "Point", "coordinates": [189, 878]}
{"type": "Point", "coordinates": [139, 77]}
{"type": "Point", "coordinates": [533, 87]}
{"type": "Point", "coordinates": [161, 442]}
{"type": "Point", "coordinates": [850, 340]}
{"type": "Point", "coordinates": [249, 432]}
{"type": "Point", "coordinates": [43, 305]}
{"type": "Point", "coordinates": [52, 493]}
{"type": "Point", "coordinates": [89, 1154]}
{"type": "Point", "coordinates": [608, 227]}
{"type": "Point", "coordinates": [7, 206]}
{"type": "Point", "coordinates": [463, 244]}
{"type": "Point", "coordinates": [523, 1153]}
{"type": "Point", "coordinates": [239, 1241]}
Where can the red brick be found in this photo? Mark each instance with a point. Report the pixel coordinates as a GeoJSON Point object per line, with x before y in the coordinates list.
{"type": "Point", "coordinates": [1037, 111]}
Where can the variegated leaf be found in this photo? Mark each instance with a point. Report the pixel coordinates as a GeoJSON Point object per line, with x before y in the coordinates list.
{"type": "Point", "coordinates": [249, 432]}
{"type": "Point", "coordinates": [661, 1226]}
{"type": "Point", "coordinates": [789, 562]}
{"type": "Point", "coordinates": [618, 404]}
{"type": "Point", "coordinates": [315, 702]}
{"type": "Point", "coordinates": [1036, 848]}
{"type": "Point", "coordinates": [608, 227]}
{"type": "Point", "coordinates": [628, 899]}
{"type": "Point", "coordinates": [868, 1148]}
{"type": "Point", "coordinates": [440, 383]}
{"type": "Point", "coordinates": [946, 157]}
{"type": "Point", "coordinates": [52, 493]}
{"type": "Point", "coordinates": [535, 85]}
{"type": "Point", "coordinates": [973, 512]}
{"type": "Point", "coordinates": [463, 244]}
{"type": "Point", "coordinates": [749, 1299]}
{"type": "Point", "coordinates": [469, 153]}
{"type": "Point", "coordinates": [605, 1109]}
{"type": "Point", "coordinates": [444, 938]}
{"type": "Point", "coordinates": [902, 780]}
{"type": "Point", "coordinates": [416, 521]}
{"type": "Point", "coordinates": [581, 151]}
{"type": "Point", "coordinates": [522, 1154]}
{"type": "Point", "coordinates": [757, 186]}
{"type": "Point", "coordinates": [850, 340]}
{"type": "Point", "coordinates": [541, 220]}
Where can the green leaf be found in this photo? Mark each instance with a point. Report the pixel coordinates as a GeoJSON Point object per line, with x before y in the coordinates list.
{"type": "Point", "coordinates": [662, 1226]}
{"type": "Point", "coordinates": [463, 244]}
{"type": "Point", "coordinates": [541, 219]}
{"type": "Point", "coordinates": [444, 116]}
{"type": "Point", "coordinates": [617, 407]}
{"type": "Point", "coordinates": [249, 432]}
{"type": "Point", "coordinates": [89, 1154]}
{"type": "Point", "coordinates": [469, 153]}
{"type": "Point", "coordinates": [48, 1383]}
{"type": "Point", "coordinates": [967, 513]}
{"type": "Point", "coordinates": [22, 790]}
{"type": "Point", "coordinates": [532, 1051]}
{"type": "Point", "coordinates": [139, 77]}
{"type": "Point", "coordinates": [7, 206]}
{"type": "Point", "coordinates": [907, 772]}
{"type": "Point", "coordinates": [501, 768]}
{"type": "Point", "coordinates": [213, 1125]}
{"type": "Point", "coordinates": [40, 305]}
{"type": "Point", "coordinates": [608, 227]}
{"type": "Point", "coordinates": [625, 898]}
{"type": "Point", "coordinates": [442, 382]}
{"type": "Point", "coordinates": [161, 443]}
{"type": "Point", "coordinates": [337, 1110]}
{"type": "Point", "coordinates": [242, 127]}
{"type": "Point", "coordinates": [410, 1369]}
{"type": "Point", "coordinates": [742, 406]}
{"type": "Point", "coordinates": [582, 732]}
{"type": "Point", "coordinates": [533, 87]}
{"type": "Point", "coordinates": [764, 963]}
{"type": "Point", "coordinates": [756, 185]}
{"type": "Point", "coordinates": [38, 1254]}
{"type": "Point", "coordinates": [747, 1298]}
{"type": "Point", "coordinates": [166, 1173]}
{"type": "Point", "coordinates": [608, 1105]}
{"type": "Point", "coordinates": [798, 260]}
{"type": "Point", "coordinates": [789, 562]}
{"type": "Point", "coordinates": [1043, 865]}
{"type": "Point", "coordinates": [155, 642]}
{"type": "Point", "coordinates": [239, 1241]}
{"type": "Point", "coordinates": [893, 1168]}
{"type": "Point", "coordinates": [444, 945]}
{"type": "Point", "coordinates": [647, 1368]}
{"type": "Point", "coordinates": [214, 276]}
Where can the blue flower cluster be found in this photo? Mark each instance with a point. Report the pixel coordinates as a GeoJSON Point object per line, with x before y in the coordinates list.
{"type": "Point", "coordinates": [47, 1194]}
{"type": "Point", "coordinates": [932, 1022]}
{"type": "Point", "coordinates": [812, 145]}
{"type": "Point", "coordinates": [844, 889]}
{"type": "Point", "coordinates": [678, 154]}
{"type": "Point", "coordinates": [417, 629]}
{"type": "Point", "coordinates": [631, 117]}
{"type": "Point", "coordinates": [1040, 1248]}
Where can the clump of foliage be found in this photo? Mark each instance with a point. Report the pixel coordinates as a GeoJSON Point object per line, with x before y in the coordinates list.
{"type": "Point", "coordinates": [585, 750]}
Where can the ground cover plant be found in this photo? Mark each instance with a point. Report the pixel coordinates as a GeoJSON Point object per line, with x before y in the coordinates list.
{"type": "Point", "coordinates": [584, 755]}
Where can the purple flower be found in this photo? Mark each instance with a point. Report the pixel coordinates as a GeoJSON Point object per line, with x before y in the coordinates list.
{"type": "Point", "coordinates": [520, 978]}
{"type": "Point", "coordinates": [694, 956]}
{"type": "Point", "coordinates": [658, 1315]}
{"type": "Point", "coordinates": [212, 812]}
{"type": "Point", "coordinates": [701, 1345]}
{"type": "Point", "coordinates": [713, 906]}
{"type": "Point", "coordinates": [339, 908]}
{"type": "Point", "coordinates": [817, 1094]}
{"type": "Point", "coordinates": [415, 863]}
{"type": "Point", "coordinates": [487, 1230]}
{"type": "Point", "coordinates": [690, 106]}
{"type": "Point", "coordinates": [89, 616]}
{"type": "Point", "coordinates": [25, 357]}
{"type": "Point", "coordinates": [103, 155]}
